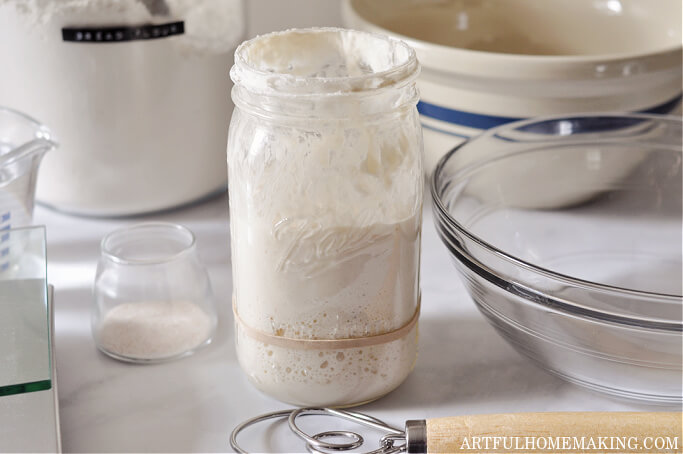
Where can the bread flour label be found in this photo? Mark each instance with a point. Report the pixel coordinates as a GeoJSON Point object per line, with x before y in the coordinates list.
{"type": "Point", "coordinates": [121, 34]}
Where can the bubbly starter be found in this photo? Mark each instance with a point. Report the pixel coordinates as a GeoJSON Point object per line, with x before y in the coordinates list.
{"type": "Point", "coordinates": [325, 224]}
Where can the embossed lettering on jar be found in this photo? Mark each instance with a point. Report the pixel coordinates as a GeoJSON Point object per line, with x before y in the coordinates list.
{"type": "Point", "coordinates": [325, 175]}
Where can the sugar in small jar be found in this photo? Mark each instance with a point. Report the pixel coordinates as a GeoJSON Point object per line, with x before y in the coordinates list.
{"type": "Point", "coordinates": [153, 297]}
{"type": "Point", "coordinates": [325, 184]}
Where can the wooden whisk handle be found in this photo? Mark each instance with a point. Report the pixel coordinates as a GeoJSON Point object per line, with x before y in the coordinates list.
{"type": "Point", "coordinates": [570, 432]}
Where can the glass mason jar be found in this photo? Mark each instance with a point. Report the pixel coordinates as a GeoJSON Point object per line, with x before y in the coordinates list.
{"type": "Point", "coordinates": [153, 297]}
{"type": "Point", "coordinates": [325, 183]}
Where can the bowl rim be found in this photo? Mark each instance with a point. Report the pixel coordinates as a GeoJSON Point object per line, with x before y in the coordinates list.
{"type": "Point", "coordinates": [512, 66]}
{"type": "Point", "coordinates": [666, 298]}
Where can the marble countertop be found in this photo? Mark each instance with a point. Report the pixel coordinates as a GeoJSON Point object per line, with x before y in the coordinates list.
{"type": "Point", "coordinates": [192, 404]}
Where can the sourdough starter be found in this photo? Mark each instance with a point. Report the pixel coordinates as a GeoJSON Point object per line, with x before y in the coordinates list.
{"type": "Point", "coordinates": [325, 207]}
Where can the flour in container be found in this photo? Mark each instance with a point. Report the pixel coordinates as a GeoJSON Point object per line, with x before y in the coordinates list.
{"type": "Point", "coordinates": [152, 113]}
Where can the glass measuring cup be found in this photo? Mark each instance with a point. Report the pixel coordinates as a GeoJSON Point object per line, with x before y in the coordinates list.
{"type": "Point", "coordinates": [23, 143]}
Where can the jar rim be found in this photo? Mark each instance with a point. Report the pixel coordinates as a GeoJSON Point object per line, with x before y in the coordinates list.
{"type": "Point", "coordinates": [112, 245]}
{"type": "Point", "coordinates": [400, 68]}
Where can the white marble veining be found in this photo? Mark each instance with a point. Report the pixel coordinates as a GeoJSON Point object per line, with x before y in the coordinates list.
{"type": "Point", "coordinates": [192, 404]}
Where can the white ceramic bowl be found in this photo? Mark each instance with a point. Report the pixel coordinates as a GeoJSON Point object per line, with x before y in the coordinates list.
{"type": "Point", "coordinates": [490, 62]}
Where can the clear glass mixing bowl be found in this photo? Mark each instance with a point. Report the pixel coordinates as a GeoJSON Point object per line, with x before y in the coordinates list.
{"type": "Point", "coordinates": [567, 232]}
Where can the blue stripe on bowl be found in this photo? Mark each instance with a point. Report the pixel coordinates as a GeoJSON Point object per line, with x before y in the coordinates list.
{"type": "Point", "coordinates": [482, 121]}
{"type": "Point", "coordinates": [459, 117]}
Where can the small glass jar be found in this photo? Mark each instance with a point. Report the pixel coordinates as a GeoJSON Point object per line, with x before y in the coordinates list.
{"type": "Point", "coordinates": [153, 298]}
{"type": "Point", "coordinates": [325, 183]}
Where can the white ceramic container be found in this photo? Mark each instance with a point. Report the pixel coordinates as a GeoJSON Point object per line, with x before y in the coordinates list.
{"type": "Point", "coordinates": [136, 92]}
{"type": "Point", "coordinates": [490, 62]}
